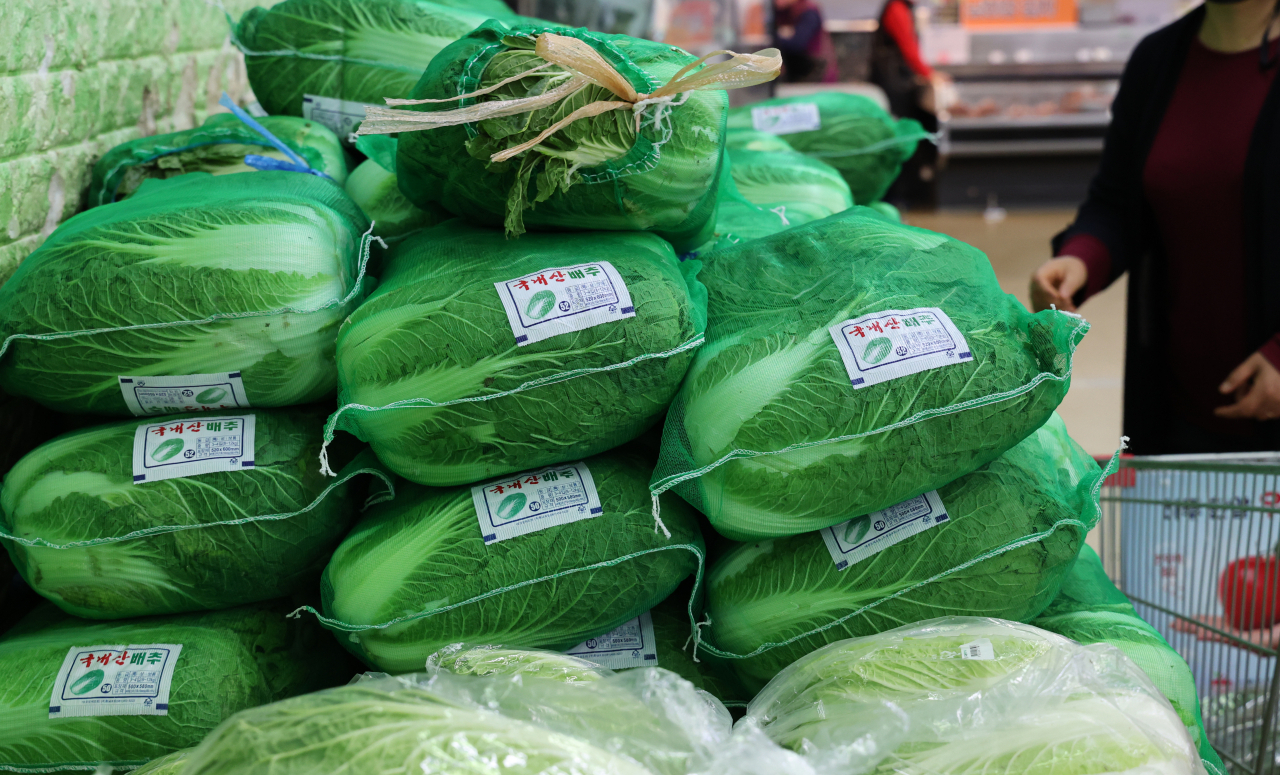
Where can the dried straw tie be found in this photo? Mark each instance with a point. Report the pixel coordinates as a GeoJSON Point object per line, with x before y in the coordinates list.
{"type": "Point", "coordinates": [587, 67]}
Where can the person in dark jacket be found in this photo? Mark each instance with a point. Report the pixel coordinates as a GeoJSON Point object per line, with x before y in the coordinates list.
{"type": "Point", "coordinates": [798, 32]}
{"type": "Point", "coordinates": [1187, 201]}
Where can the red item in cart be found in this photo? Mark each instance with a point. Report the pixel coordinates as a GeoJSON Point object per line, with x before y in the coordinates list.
{"type": "Point", "coordinates": [1249, 589]}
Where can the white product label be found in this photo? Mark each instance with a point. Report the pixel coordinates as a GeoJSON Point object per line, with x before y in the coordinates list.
{"type": "Point", "coordinates": [786, 119]}
{"type": "Point", "coordinates": [896, 342]}
{"type": "Point", "coordinates": [341, 116]}
{"type": "Point", "coordinates": [856, 540]}
{"type": "Point", "coordinates": [535, 500]}
{"type": "Point", "coordinates": [192, 393]}
{"type": "Point", "coordinates": [630, 645]}
{"type": "Point", "coordinates": [978, 649]}
{"type": "Point", "coordinates": [115, 681]}
{"type": "Point", "coordinates": [179, 448]}
{"type": "Point", "coordinates": [563, 299]}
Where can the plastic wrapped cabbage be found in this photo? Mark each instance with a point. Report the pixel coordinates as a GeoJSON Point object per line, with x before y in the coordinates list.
{"type": "Point", "coordinates": [799, 188]}
{"type": "Point", "coordinates": [964, 695]}
{"type": "Point", "coordinates": [86, 535]}
{"type": "Point", "coordinates": [247, 276]}
{"type": "Point", "coordinates": [996, 542]}
{"type": "Point", "coordinates": [172, 764]}
{"type": "Point", "coordinates": [229, 660]}
{"type": "Point", "coordinates": [217, 147]}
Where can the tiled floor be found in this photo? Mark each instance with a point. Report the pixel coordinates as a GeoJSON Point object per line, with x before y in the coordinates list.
{"type": "Point", "coordinates": [1016, 246]}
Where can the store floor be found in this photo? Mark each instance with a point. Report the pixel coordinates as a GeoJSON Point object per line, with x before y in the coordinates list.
{"type": "Point", "coordinates": [1016, 246]}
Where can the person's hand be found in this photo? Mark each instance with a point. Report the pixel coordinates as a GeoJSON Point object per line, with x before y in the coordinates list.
{"type": "Point", "coordinates": [1262, 638]}
{"type": "Point", "coordinates": [1256, 385]}
{"type": "Point", "coordinates": [1056, 283]}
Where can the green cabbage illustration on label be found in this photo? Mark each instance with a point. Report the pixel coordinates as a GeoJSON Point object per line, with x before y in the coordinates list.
{"type": "Point", "coordinates": [87, 682]}
{"type": "Point", "coordinates": [856, 529]}
{"type": "Point", "coordinates": [511, 505]}
{"type": "Point", "coordinates": [167, 450]}
{"type": "Point", "coordinates": [540, 304]}
{"type": "Point", "coordinates": [877, 350]}
{"type": "Point", "coordinates": [211, 396]}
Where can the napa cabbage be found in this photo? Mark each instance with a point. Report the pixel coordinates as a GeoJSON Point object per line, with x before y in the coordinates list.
{"type": "Point", "coordinates": [798, 188]}
{"type": "Point", "coordinates": [217, 147]}
{"type": "Point", "coordinates": [372, 185]}
{"type": "Point", "coordinates": [170, 764]}
{"type": "Point", "coordinates": [963, 695]}
{"type": "Point", "coordinates": [231, 660]}
{"type": "Point", "coordinates": [86, 536]}
{"type": "Point", "coordinates": [197, 274]}
{"type": "Point", "coordinates": [750, 140]}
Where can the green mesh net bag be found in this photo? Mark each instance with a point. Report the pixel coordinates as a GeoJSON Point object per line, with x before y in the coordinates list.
{"type": "Point", "coordinates": [217, 663]}
{"type": "Point", "coordinates": [799, 188]}
{"type": "Point", "coordinates": [373, 186]}
{"type": "Point", "coordinates": [751, 140]}
{"type": "Point", "coordinates": [533, 125]}
{"type": "Point", "coordinates": [87, 534]}
{"type": "Point", "coordinates": [219, 147]}
{"type": "Point", "coordinates": [232, 280]}
{"type": "Point", "coordinates": [852, 363]}
{"type": "Point", "coordinates": [848, 131]}
{"type": "Point", "coordinates": [547, 558]}
{"type": "Point", "coordinates": [997, 542]}
{"type": "Point", "coordinates": [327, 59]}
{"type": "Point", "coordinates": [1090, 609]}
{"type": "Point", "coordinates": [738, 220]}
{"type": "Point", "coordinates": [478, 356]}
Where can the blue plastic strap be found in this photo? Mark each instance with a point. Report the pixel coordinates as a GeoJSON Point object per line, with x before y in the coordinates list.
{"type": "Point", "coordinates": [295, 164]}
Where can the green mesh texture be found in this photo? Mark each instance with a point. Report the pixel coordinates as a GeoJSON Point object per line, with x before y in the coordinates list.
{"type": "Point", "coordinates": [356, 50]}
{"type": "Point", "coordinates": [218, 147]}
{"type": "Point", "coordinates": [1014, 527]}
{"type": "Point", "coordinates": [856, 136]}
{"type": "Point", "coordinates": [432, 377]}
{"type": "Point", "coordinates": [197, 274]}
{"type": "Point", "coordinates": [373, 186]}
{"type": "Point", "coordinates": [597, 173]}
{"type": "Point", "coordinates": [85, 536]}
{"type": "Point", "coordinates": [738, 220]}
{"type": "Point", "coordinates": [767, 436]}
{"type": "Point", "coordinates": [415, 575]}
{"type": "Point", "coordinates": [231, 660]}
{"type": "Point", "coordinates": [805, 189]}
{"type": "Point", "coordinates": [673, 637]}
{"type": "Point", "coordinates": [1090, 609]}
{"type": "Point", "coordinates": [751, 140]}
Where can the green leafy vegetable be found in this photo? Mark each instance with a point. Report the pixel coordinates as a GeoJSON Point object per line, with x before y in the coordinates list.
{"type": "Point", "coordinates": [749, 140]}
{"type": "Point", "coordinates": [855, 135]}
{"type": "Point", "coordinates": [805, 189]}
{"type": "Point", "coordinates": [415, 574]}
{"type": "Point", "coordinates": [673, 637]}
{"type": "Point", "coordinates": [373, 186]}
{"type": "Point", "coordinates": [466, 402]}
{"type": "Point", "coordinates": [489, 660]}
{"type": "Point", "coordinates": [768, 437]}
{"type": "Point", "coordinates": [218, 147]}
{"type": "Point", "coordinates": [198, 274]}
{"type": "Point", "coordinates": [230, 660]}
{"type": "Point", "coordinates": [207, 541]}
{"type": "Point", "coordinates": [355, 50]}
{"type": "Point", "coordinates": [597, 172]}
{"type": "Point", "coordinates": [172, 764]}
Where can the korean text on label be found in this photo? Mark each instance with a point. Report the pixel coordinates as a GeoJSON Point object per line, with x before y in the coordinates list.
{"type": "Point", "coordinates": [115, 680]}
{"type": "Point", "coordinates": [631, 644]}
{"type": "Point", "coordinates": [564, 299]}
{"type": "Point", "coordinates": [190, 393]}
{"type": "Point", "coordinates": [854, 541]}
{"type": "Point", "coordinates": [187, 447]}
{"type": "Point", "coordinates": [535, 500]}
{"type": "Point", "coordinates": [894, 343]}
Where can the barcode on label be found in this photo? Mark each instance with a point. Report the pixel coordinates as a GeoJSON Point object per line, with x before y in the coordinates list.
{"type": "Point", "coordinates": [978, 649]}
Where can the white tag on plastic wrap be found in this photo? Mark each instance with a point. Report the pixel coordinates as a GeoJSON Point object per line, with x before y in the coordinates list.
{"type": "Point", "coordinates": [535, 500]}
{"type": "Point", "coordinates": [115, 681]}
{"type": "Point", "coordinates": [200, 445]}
{"type": "Point", "coordinates": [342, 116]}
{"type": "Point", "coordinates": [978, 649]}
{"type": "Point", "coordinates": [629, 645]}
{"type": "Point", "coordinates": [786, 119]}
{"type": "Point", "coordinates": [563, 299]}
{"type": "Point", "coordinates": [191, 393]}
{"type": "Point", "coordinates": [856, 540]}
{"type": "Point", "coordinates": [887, 345]}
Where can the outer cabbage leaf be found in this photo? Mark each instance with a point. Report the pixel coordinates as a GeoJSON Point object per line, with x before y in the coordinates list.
{"type": "Point", "coordinates": [491, 660]}
{"type": "Point", "coordinates": [373, 186]}
{"type": "Point", "coordinates": [767, 437]}
{"type": "Point", "coordinates": [1013, 529]}
{"type": "Point", "coordinates": [79, 489]}
{"type": "Point", "coordinates": [270, 262]}
{"type": "Point", "coordinates": [218, 147]}
{"type": "Point", "coordinates": [805, 189]}
{"type": "Point", "coordinates": [421, 561]}
{"type": "Point", "coordinates": [231, 660]}
{"type": "Point", "coordinates": [170, 764]}
{"type": "Point", "coordinates": [751, 140]}
{"type": "Point", "coordinates": [435, 331]}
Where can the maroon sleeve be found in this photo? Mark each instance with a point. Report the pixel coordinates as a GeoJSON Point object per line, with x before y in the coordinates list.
{"type": "Point", "coordinates": [1271, 351]}
{"type": "Point", "coordinates": [1093, 252]}
{"type": "Point", "coordinates": [901, 27]}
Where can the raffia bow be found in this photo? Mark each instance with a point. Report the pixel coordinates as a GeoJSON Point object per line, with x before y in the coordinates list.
{"type": "Point", "coordinates": [587, 67]}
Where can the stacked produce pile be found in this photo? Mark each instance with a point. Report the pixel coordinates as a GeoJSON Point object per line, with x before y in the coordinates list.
{"type": "Point", "coordinates": [632, 416]}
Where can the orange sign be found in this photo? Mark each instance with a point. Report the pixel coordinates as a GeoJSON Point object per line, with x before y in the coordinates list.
{"type": "Point", "coordinates": [982, 14]}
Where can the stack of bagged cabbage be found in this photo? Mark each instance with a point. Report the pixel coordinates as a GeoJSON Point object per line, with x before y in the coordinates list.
{"type": "Point", "coordinates": [637, 417]}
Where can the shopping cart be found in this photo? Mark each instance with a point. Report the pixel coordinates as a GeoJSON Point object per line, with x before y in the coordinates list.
{"type": "Point", "coordinates": [1171, 526]}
